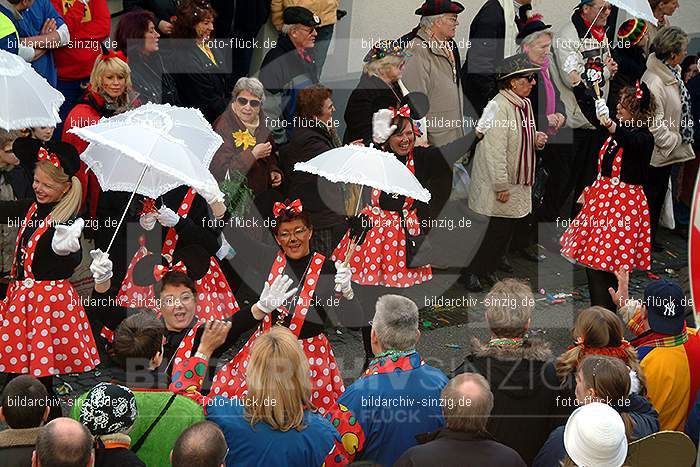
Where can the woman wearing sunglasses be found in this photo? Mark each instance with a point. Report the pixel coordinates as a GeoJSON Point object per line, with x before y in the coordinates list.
{"type": "Point", "coordinates": [504, 163]}
{"type": "Point", "coordinates": [248, 144]}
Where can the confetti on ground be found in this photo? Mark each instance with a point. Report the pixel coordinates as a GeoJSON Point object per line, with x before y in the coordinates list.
{"type": "Point", "coordinates": [557, 302]}
{"type": "Point", "coordinates": [427, 324]}
{"type": "Point", "coordinates": [454, 346]}
{"type": "Point", "coordinates": [673, 255]}
{"type": "Point", "coordinates": [652, 276]}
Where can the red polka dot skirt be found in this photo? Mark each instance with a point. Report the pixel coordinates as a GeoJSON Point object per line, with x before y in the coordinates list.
{"type": "Point", "coordinates": [45, 330]}
{"type": "Point", "coordinates": [326, 383]}
{"type": "Point", "coordinates": [381, 259]}
{"type": "Point", "coordinates": [613, 228]}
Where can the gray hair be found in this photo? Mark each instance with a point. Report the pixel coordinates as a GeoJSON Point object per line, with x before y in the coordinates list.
{"type": "Point", "coordinates": [252, 85]}
{"type": "Point", "coordinates": [396, 322]}
{"type": "Point", "coordinates": [531, 38]}
{"type": "Point", "coordinates": [377, 67]}
{"type": "Point", "coordinates": [467, 411]}
{"type": "Point", "coordinates": [668, 41]}
{"type": "Point", "coordinates": [426, 22]}
{"type": "Point", "coordinates": [509, 306]}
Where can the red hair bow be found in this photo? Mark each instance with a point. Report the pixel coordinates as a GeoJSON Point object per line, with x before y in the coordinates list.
{"type": "Point", "coordinates": [159, 270]}
{"type": "Point", "coordinates": [295, 206]}
{"type": "Point", "coordinates": [149, 206]}
{"type": "Point", "coordinates": [44, 155]}
{"type": "Point", "coordinates": [403, 111]}
{"type": "Point", "coordinates": [112, 54]}
{"type": "Point", "coordinates": [638, 94]}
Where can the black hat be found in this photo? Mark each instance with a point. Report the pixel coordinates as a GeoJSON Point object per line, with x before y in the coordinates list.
{"type": "Point", "coordinates": [300, 15]}
{"type": "Point", "coordinates": [108, 409]}
{"type": "Point", "coordinates": [515, 65]}
{"type": "Point", "coordinates": [532, 25]}
{"type": "Point", "coordinates": [60, 154]}
{"type": "Point", "coordinates": [194, 257]}
{"type": "Point", "coordinates": [438, 7]}
{"type": "Point", "coordinates": [418, 103]}
{"type": "Point", "coordinates": [665, 303]}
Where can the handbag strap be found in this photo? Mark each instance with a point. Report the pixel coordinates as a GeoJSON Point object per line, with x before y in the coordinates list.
{"type": "Point", "coordinates": [138, 444]}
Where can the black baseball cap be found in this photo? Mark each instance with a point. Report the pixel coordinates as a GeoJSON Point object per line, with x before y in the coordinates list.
{"type": "Point", "coordinates": [665, 303]}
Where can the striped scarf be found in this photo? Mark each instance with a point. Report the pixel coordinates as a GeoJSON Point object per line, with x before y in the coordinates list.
{"type": "Point", "coordinates": [686, 123]}
{"type": "Point", "coordinates": [525, 174]}
{"type": "Point", "coordinates": [655, 339]}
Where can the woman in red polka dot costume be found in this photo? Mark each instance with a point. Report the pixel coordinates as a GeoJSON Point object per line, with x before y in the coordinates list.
{"type": "Point", "coordinates": [298, 294]}
{"type": "Point", "coordinates": [45, 330]}
{"type": "Point", "coordinates": [612, 231]}
{"type": "Point", "coordinates": [186, 220]}
{"type": "Point", "coordinates": [379, 264]}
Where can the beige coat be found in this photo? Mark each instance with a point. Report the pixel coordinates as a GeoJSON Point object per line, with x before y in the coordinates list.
{"type": "Point", "coordinates": [428, 70]}
{"type": "Point", "coordinates": [324, 9]}
{"type": "Point", "coordinates": [668, 148]}
{"type": "Point", "coordinates": [567, 51]}
{"type": "Point", "coordinates": [495, 167]}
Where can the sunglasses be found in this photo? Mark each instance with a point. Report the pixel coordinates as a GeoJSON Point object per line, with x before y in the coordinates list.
{"type": "Point", "coordinates": [531, 77]}
{"type": "Point", "coordinates": [242, 101]}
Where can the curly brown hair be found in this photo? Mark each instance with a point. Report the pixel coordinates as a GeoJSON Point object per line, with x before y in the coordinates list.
{"type": "Point", "coordinates": [310, 100]}
{"type": "Point", "coordinates": [189, 14]}
{"type": "Point", "coordinates": [642, 110]}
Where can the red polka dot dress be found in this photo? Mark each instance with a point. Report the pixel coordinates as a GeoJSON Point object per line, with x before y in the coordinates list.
{"type": "Point", "coordinates": [326, 382]}
{"type": "Point", "coordinates": [45, 330]}
{"type": "Point", "coordinates": [381, 258]}
{"type": "Point", "coordinates": [215, 300]}
{"type": "Point", "coordinates": [613, 229]}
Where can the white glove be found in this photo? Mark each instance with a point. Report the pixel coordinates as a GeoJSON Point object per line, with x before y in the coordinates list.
{"type": "Point", "coordinates": [226, 251]}
{"type": "Point", "coordinates": [66, 239]}
{"type": "Point", "coordinates": [212, 196]}
{"type": "Point", "coordinates": [343, 280]}
{"type": "Point", "coordinates": [487, 117]}
{"type": "Point", "coordinates": [167, 217]}
{"type": "Point", "coordinates": [601, 110]}
{"type": "Point", "coordinates": [148, 220]}
{"type": "Point", "coordinates": [101, 266]}
{"type": "Point", "coordinates": [381, 125]}
{"type": "Point", "coordinates": [273, 296]}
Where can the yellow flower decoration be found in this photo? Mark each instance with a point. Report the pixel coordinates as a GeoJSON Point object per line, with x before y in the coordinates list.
{"type": "Point", "coordinates": [244, 138]}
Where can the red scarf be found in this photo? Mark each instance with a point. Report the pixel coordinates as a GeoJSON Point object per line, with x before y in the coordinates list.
{"type": "Point", "coordinates": [598, 32]}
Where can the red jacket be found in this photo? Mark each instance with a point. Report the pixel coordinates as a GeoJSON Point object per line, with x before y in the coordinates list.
{"type": "Point", "coordinates": [88, 25]}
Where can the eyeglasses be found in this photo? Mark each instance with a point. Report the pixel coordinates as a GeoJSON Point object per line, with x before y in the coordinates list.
{"type": "Point", "coordinates": [307, 29]}
{"type": "Point", "coordinates": [242, 101]}
{"type": "Point", "coordinates": [298, 233]}
{"type": "Point", "coordinates": [531, 77]}
{"type": "Point", "coordinates": [170, 301]}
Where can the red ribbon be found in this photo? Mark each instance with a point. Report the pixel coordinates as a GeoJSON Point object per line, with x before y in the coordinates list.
{"type": "Point", "coordinates": [159, 270]}
{"type": "Point", "coordinates": [403, 111]}
{"type": "Point", "coordinates": [639, 94]}
{"type": "Point", "coordinates": [149, 206]}
{"type": "Point", "coordinates": [44, 155]}
{"type": "Point", "coordinates": [112, 54]}
{"type": "Point", "coordinates": [295, 206]}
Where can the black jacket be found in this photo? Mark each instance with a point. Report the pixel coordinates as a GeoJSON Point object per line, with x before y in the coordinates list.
{"type": "Point", "coordinates": [17, 446]}
{"type": "Point", "coordinates": [486, 37]}
{"type": "Point", "coordinates": [163, 9]}
{"type": "Point", "coordinates": [322, 199]}
{"type": "Point", "coordinates": [240, 18]}
{"type": "Point", "coordinates": [151, 81]}
{"type": "Point", "coordinates": [447, 448]}
{"type": "Point", "coordinates": [116, 457]}
{"type": "Point", "coordinates": [637, 142]}
{"type": "Point", "coordinates": [283, 73]}
{"type": "Point", "coordinates": [632, 63]}
{"type": "Point", "coordinates": [370, 94]}
{"type": "Point", "coordinates": [538, 98]}
{"type": "Point", "coordinates": [525, 389]}
{"type": "Point", "coordinates": [206, 86]}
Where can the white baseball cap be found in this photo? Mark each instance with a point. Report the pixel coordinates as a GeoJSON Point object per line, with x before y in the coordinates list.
{"type": "Point", "coordinates": [594, 436]}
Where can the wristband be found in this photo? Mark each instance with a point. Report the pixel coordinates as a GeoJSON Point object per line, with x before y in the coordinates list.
{"type": "Point", "coordinates": [201, 355]}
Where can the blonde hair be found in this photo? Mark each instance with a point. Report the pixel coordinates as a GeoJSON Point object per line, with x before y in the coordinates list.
{"type": "Point", "coordinates": [510, 304]}
{"type": "Point", "coordinates": [69, 204]}
{"type": "Point", "coordinates": [599, 328]}
{"type": "Point", "coordinates": [377, 67]}
{"type": "Point", "coordinates": [115, 66]}
{"type": "Point", "coordinates": [279, 389]}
